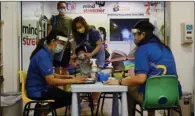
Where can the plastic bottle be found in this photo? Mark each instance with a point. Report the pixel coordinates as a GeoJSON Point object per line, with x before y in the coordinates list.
{"type": "Point", "coordinates": [94, 66]}
{"type": "Point", "coordinates": [94, 69]}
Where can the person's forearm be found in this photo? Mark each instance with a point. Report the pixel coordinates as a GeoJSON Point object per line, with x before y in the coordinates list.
{"type": "Point", "coordinates": [60, 82]}
{"type": "Point", "coordinates": [97, 49]}
{"type": "Point", "coordinates": [62, 76]}
{"type": "Point", "coordinates": [130, 81]}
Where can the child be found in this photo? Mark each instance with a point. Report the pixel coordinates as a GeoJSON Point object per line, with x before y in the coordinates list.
{"type": "Point", "coordinates": [83, 62]}
{"type": "Point", "coordinates": [85, 67]}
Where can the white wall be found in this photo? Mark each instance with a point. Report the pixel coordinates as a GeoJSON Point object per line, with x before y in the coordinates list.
{"type": "Point", "coordinates": [10, 14]}
{"type": "Point", "coordinates": [182, 12]}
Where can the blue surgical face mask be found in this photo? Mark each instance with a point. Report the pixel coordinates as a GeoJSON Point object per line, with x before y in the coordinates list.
{"type": "Point", "coordinates": [58, 49]}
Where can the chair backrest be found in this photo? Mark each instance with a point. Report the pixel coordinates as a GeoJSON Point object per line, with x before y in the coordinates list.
{"type": "Point", "coordinates": [161, 92]}
{"type": "Point", "coordinates": [23, 89]}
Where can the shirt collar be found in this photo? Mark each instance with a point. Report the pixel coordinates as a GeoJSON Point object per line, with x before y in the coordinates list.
{"type": "Point", "coordinates": [48, 51]}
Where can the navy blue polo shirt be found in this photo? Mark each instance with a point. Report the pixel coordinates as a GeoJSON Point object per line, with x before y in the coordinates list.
{"type": "Point", "coordinates": [41, 65]}
{"type": "Point", "coordinates": [151, 54]}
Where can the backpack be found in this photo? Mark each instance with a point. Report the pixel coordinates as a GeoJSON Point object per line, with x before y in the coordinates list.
{"type": "Point", "coordinates": [54, 22]}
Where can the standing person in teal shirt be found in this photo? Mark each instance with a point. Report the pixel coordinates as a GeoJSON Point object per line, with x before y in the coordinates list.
{"type": "Point", "coordinates": [150, 53]}
{"type": "Point", "coordinates": [41, 80]}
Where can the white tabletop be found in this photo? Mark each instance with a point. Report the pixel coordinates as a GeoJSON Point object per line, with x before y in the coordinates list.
{"type": "Point", "coordinates": [98, 87]}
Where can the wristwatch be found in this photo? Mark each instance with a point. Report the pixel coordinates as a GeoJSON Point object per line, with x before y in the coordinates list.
{"type": "Point", "coordinates": [120, 81]}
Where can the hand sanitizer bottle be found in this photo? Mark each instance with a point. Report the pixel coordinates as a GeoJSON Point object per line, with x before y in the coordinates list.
{"type": "Point", "coordinates": [94, 69]}
{"type": "Point", "coordinates": [94, 66]}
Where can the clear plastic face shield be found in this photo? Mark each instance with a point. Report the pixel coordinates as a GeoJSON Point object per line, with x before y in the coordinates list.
{"type": "Point", "coordinates": [135, 32]}
{"type": "Point", "coordinates": [61, 40]}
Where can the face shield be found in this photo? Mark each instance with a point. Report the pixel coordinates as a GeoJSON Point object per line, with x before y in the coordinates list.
{"type": "Point", "coordinates": [61, 42]}
{"type": "Point", "coordinates": [135, 32]}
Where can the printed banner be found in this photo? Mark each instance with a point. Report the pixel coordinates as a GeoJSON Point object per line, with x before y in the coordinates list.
{"type": "Point", "coordinates": [126, 8]}
{"type": "Point", "coordinates": [29, 40]}
{"type": "Point", "coordinates": [71, 7]}
{"type": "Point", "coordinates": [91, 7]}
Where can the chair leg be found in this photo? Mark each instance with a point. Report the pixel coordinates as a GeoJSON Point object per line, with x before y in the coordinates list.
{"type": "Point", "coordinates": [25, 112]}
{"type": "Point", "coordinates": [66, 109]}
{"type": "Point", "coordinates": [91, 103]}
{"type": "Point", "coordinates": [141, 110]}
{"type": "Point", "coordinates": [52, 113]}
{"type": "Point", "coordinates": [98, 105]}
{"type": "Point", "coordinates": [169, 113]}
{"type": "Point", "coordinates": [69, 111]}
{"type": "Point", "coordinates": [28, 111]}
{"type": "Point", "coordinates": [55, 112]}
{"type": "Point", "coordinates": [104, 95]}
{"type": "Point", "coordinates": [180, 111]}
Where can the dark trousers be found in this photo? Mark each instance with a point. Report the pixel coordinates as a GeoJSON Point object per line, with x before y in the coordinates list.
{"type": "Point", "coordinates": [61, 97]}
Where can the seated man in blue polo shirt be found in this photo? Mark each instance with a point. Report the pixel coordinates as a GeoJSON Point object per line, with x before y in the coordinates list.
{"type": "Point", "coordinates": [150, 54]}
{"type": "Point", "coordinates": [41, 80]}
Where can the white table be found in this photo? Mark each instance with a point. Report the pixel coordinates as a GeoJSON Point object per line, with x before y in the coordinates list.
{"type": "Point", "coordinates": [98, 87]}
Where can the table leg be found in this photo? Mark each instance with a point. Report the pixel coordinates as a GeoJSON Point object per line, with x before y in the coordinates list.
{"type": "Point", "coordinates": [115, 110]}
{"type": "Point", "coordinates": [75, 110]}
{"type": "Point", "coordinates": [124, 106]}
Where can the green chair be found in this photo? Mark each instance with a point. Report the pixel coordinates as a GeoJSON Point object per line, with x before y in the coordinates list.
{"type": "Point", "coordinates": [161, 93]}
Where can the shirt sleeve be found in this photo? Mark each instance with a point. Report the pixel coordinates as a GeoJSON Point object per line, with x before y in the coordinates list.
{"type": "Point", "coordinates": [50, 22]}
{"type": "Point", "coordinates": [141, 61]}
{"type": "Point", "coordinates": [45, 65]}
{"type": "Point", "coordinates": [95, 35]}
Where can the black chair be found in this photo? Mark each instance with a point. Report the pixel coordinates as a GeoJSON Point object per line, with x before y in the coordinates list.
{"type": "Point", "coordinates": [175, 108]}
{"type": "Point", "coordinates": [103, 96]}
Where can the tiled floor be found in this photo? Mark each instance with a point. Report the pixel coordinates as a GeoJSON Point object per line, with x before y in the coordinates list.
{"type": "Point", "coordinates": [106, 112]}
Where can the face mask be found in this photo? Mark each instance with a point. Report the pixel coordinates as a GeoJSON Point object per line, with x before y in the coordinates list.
{"type": "Point", "coordinates": [62, 11]}
{"type": "Point", "coordinates": [81, 56]}
{"type": "Point", "coordinates": [81, 30]}
{"type": "Point", "coordinates": [136, 41]}
{"type": "Point", "coordinates": [58, 49]}
{"type": "Point", "coordinates": [102, 36]}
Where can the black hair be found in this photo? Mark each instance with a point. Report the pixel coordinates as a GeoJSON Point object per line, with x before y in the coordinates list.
{"type": "Point", "coordinates": [104, 32]}
{"type": "Point", "coordinates": [60, 2]}
{"type": "Point", "coordinates": [52, 36]}
{"type": "Point", "coordinates": [76, 35]}
{"type": "Point", "coordinates": [144, 26]}
{"type": "Point", "coordinates": [80, 48]}
{"type": "Point", "coordinates": [148, 28]}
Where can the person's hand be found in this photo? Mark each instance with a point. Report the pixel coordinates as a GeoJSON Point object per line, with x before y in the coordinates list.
{"type": "Point", "coordinates": [71, 77]}
{"type": "Point", "coordinates": [112, 82]}
{"type": "Point", "coordinates": [88, 55]}
{"type": "Point", "coordinates": [80, 79]}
